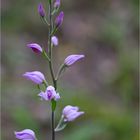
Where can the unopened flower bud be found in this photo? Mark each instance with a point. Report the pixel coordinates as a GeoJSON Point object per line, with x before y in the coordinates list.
{"type": "Point", "coordinates": [59, 19]}
{"type": "Point", "coordinates": [36, 76]}
{"type": "Point", "coordinates": [70, 113]}
{"type": "Point", "coordinates": [54, 40]}
{"type": "Point", "coordinates": [25, 134]}
{"type": "Point", "coordinates": [71, 59]}
{"type": "Point", "coordinates": [41, 10]}
{"type": "Point", "coordinates": [35, 47]}
{"type": "Point", "coordinates": [57, 4]}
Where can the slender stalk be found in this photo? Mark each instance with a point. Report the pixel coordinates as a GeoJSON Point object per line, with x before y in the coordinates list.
{"type": "Point", "coordinates": [61, 68]}
{"type": "Point", "coordinates": [53, 127]}
{"type": "Point", "coordinates": [61, 125]}
{"type": "Point", "coordinates": [50, 65]}
{"type": "Point", "coordinates": [49, 42]}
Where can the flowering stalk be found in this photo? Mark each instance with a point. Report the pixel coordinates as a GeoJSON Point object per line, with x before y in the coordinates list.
{"type": "Point", "coordinates": [51, 68]}
{"type": "Point", "coordinates": [69, 113]}
{"type": "Point", "coordinates": [49, 43]}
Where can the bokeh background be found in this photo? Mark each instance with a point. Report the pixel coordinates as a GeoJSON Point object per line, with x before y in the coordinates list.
{"type": "Point", "coordinates": [104, 84]}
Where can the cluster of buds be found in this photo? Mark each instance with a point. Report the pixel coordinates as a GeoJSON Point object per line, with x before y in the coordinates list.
{"type": "Point", "coordinates": [69, 113]}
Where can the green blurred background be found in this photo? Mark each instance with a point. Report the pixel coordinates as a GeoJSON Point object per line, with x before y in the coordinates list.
{"type": "Point", "coordinates": [104, 84]}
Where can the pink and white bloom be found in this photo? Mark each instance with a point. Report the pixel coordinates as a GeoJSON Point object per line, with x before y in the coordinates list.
{"type": "Point", "coordinates": [49, 94]}
{"type": "Point", "coordinates": [70, 113]}
{"type": "Point", "coordinates": [26, 134]}
{"type": "Point", "coordinates": [71, 59]}
{"type": "Point", "coordinates": [54, 40]}
{"type": "Point", "coordinates": [36, 76]}
{"type": "Point", "coordinates": [35, 47]}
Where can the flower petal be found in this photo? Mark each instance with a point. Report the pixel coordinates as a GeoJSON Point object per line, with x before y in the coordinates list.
{"type": "Point", "coordinates": [35, 47]}
{"type": "Point", "coordinates": [70, 113]}
{"type": "Point", "coordinates": [26, 134]}
{"type": "Point", "coordinates": [54, 40]}
{"type": "Point", "coordinates": [59, 19]}
{"type": "Point", "coordinates": [71, 59]}
{"type": "Point", "coordinates": [41, 10]}
{"type": "Point", "coordinates": [35, 76]}
{"type": "Point", "coordinates": [43, 96]}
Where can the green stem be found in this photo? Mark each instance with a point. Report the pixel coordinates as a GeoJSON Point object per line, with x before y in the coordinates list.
{"type": "Point", "coordinates": [45, 55]}
{"type": "Point", "coordinates": [61, 125]}
{"type": "Point", "coordinates": [59, 72]}
{"type": "Point", "coordinates": [46, 83]}
{"type": "Point", "coordinates": [50, 65]}
{"type": "Point", "coordinates": [49, 43]}
{"type": "Point", "coordinates": [38, 86]}
{"type": "Point", "coordinates": [45, 20]}
{"type": "Point", "coordinates": [53, 127]}
{"type": "Point", "coordinates": [54, 30]}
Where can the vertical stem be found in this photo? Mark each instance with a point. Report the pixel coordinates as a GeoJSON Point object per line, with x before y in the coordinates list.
{"type": "Point", "coordinates": [49, 42]}
{"type": "Point", "coordinates": [50, 65]}
{"type": "Point", "coordinates": [53, 127]}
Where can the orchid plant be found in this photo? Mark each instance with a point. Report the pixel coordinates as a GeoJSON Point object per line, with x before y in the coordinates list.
{"type": "Point", "coordinates": [69, 113]}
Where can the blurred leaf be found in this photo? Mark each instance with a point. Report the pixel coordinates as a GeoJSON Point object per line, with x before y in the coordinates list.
{"type": "Point", "coordinates": [112, 33]}
{"type": "Point", "coordinates": [24, 119]}
{"type": "Point", "coordinates": [86, 131]}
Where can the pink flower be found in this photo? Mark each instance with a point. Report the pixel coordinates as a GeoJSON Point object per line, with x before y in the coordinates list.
{"type": "Point", "coordinates": [57, 4]}
{"type": "Point", "coordinates": [36, 76]}
{"type": "Point", "coordinates": [35, 47]}
{"type": "Point", "coordinates": [54, 40]}
{"type": "Point", "coordinates": [59, 19]}
{"type": "Point", "coordinates": [41, 10]}
{"type": "Point", "coordinates": [49, 94]}
{"type": "Point", "coordinates": [70, 113]}
{"type": "Point", "coordinates": [25, 134]}
{"type": "Point", "coordinates": [71, 59]}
